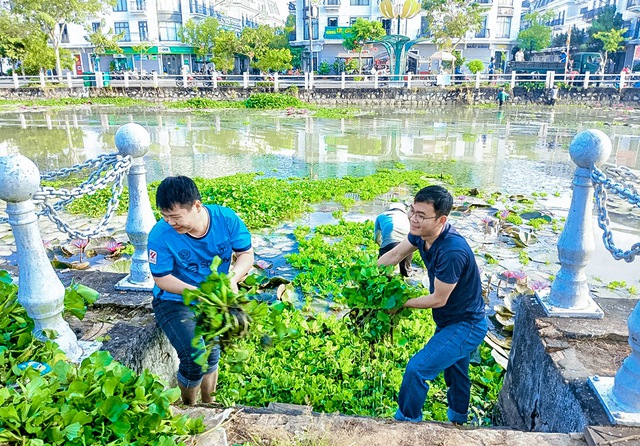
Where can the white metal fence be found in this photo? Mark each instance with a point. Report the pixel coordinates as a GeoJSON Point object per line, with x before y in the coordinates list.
{"type": "Point", "coordinates": [314, 81]}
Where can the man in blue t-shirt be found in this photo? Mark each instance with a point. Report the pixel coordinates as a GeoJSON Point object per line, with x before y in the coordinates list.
{"type": "Point", "coordinates": [456, 299]}
{"type": "Point", "coordinates": [181, 248]}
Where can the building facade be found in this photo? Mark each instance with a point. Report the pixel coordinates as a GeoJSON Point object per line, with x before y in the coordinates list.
{"type": "Point", "coordinates": [330, 22]}
{"type": "Point", "coordinates": [157, 24]}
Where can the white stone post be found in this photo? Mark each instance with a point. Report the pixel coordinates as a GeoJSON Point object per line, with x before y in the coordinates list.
{"type": "Point", "coordinates": [623, 77]}
{"type": "Point", "coordinates": [409, 74]}
{"type": "Point", "coordinates": [586, 79]}
{"type": "Point", "coordinates": [16, 82]}
{"type": "Point", "coordinates": [343, 80]}
{"type": "Point", "coordinates": [42, 81]}
{"type": "Point", "coordinates": [569, 294]}
{"type": "Point", "coordinates": [375, 80]}
{"type": "Point", "coordinates": [40, 291]}
{"type": "Point", "coordinates": [552, 78]}
{"type": "Point", "coordinates": [214, 79]}
{"type": "Point", "coordinates": [126, 79]}
{"type": "Point", "coordinates": [478, 80]}
{"type": "Point", "coordinates": [245, 80]}
{"type": "Point", "coordinates": [311, 80]}
{"type": "Point", "coordinates": [513, 80]}
{"type": "Point", "coordinates": [154, 76]}
{"type": "Point", "coordinates": [185, 78]}
{"type": "Point", "coordinates": [69, 82]}
{"type": "Point", "coordinates": [306, 81]}
{"type": "Point", "coordinates": [132, 139]}
{"type": "Point", "coordinates": [99, 83]}
{"type": "Point", "coordinates": [276, 82]}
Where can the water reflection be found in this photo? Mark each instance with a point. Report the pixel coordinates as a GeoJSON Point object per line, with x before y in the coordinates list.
{"type": "Point", "coordinates": [503, 149]}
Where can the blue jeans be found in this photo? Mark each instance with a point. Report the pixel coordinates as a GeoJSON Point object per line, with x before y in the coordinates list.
{"type": "Point", "coordinates": [177, 322]}
{"type": "Point", "coordinates": [449, 349]}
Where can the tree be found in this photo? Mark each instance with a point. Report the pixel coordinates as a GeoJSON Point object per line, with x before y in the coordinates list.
{"type": "Point", "coordinates": [607, 19]}
{"type": "Point", "coordinates": [449, 21]}
{"type": "Point", "coordinates": [201, 36]}
{"type": "Point", "coordinates": [611, 41]}
{"type": "Point", "coordinates": [13, 38]}
{"type": "Point", "coordinates": [226, 46]}
{"type": "Point", "coordinates": [52, 16]}
{"type": "Point", "coordinates": [103, 41]}
{"type": "Point", "coordinates": [142, 48]}
{"type": "Point", "coordinates": [363, 31]}
{"type": "Point", "coordinates": [579, 40]}
{"type": "Point", "coordinates": [475, 66]}
{"type": "Point", "coordinates": [274, 59]}
{"type": "Point", "coordinates": [537, 35]}
{"type": "Point", "coordinates": [255, 41]}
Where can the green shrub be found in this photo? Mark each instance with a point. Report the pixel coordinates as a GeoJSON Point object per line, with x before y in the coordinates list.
{"type": "Point", "coordinates": [265, 84]}
{"type": "Point", "coordinates": [228, 84]}
{"type": "Point", "coordinates": [272, 100]}
{"type": "Point", "coordinates": [475, 66]}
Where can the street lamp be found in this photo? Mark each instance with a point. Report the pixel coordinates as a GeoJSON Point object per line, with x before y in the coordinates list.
{"type": "Point", "coordinates": [405, 9]}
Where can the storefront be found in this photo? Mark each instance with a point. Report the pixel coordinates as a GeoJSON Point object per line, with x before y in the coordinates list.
{"type": "Point", "coordinates": [162, 59]}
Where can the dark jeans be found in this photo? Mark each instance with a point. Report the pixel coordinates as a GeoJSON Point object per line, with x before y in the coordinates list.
{"type": "Point", "coordinates": [177, 322]}
{"type": "Point", "coordinates": [405, 264]}
{"type": "Point", "coordinates": [449, 349]}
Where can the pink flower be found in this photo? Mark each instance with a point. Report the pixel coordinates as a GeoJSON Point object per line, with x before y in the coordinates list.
{"type": "Point", "coordinates": [486, 220]}
{"type": "Point", "coordinates": [504, 214]}
{"type": "Point", "coordinates": [538, 285]}
{"type": "Point", "coordinates": [113, 246]}
{"type": "Point", "coordinates": [520, 275]}
{"type": "Point", "coordinates": [80, 243]}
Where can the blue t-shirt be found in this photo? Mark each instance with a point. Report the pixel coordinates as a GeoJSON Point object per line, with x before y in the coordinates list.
{"type": "Point", "coordinates": [189, 258]}
{"type": "Point", "coordinates": [451, 260]}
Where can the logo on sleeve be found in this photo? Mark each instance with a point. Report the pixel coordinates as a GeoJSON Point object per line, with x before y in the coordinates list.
{"type": "Point", "coordinates": [153, 256]}
{"type": "Point", "coordinates": [184, 254]}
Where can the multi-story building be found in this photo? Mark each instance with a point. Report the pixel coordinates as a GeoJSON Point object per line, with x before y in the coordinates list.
{"type": "Point", "coordinates": [157, 24]}
{"type": "Point", "coordinates": [331, 20]}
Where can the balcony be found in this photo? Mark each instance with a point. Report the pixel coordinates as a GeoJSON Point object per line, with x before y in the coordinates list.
{"type": "Point", "coordinates": [197, 9]}
{"type": "Point", "coordinates": [505, 11]}
{"type": "Point", "coordinates": [484, 2]}
{"type": "Point", "coordinates": [633, 5]}
{"type": "Point", "coordinates": [592, 13]}
{"type": "Point", "coordinates": [331, 5]}
{"type": "Point", "coordinates": [483, 34]}
{"type": "Point", "coordinates": [137, 6]}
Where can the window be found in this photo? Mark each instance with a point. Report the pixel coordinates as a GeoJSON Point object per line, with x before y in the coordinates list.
{"type": "Point", "coordinates": [503, 27]}
{"type": "Point", "coordinates": [122, 27]}
{"type": "Point", "coordinates": [314, 25]}
{"type": "Point", "coordinates": [143, 30]}
{"type": "Point", "coordinates": [386, 24]}
{"type": "Point", "coordinates": [64, 36]}
{"type": "Point", "coordinates": [484, 32]}
{"type": "Point", "coordinates": [95, 27]}
{"type": "Point", "coordinates": [359, 2]}
{"type": "Point", "coordinates": [505, 2]}
{"type": "Point", "coordinates": [332, 3]}
{"type": "Point", "coordinates": [332, 21]}
{"type": "Point", "coordinates": [169, 5]}
{"type": "Point", "coordinates": [352, 20]}
{"type": "Point", "coordinates": [169, 31]}
{"type": "Point", "coordinates": [121, 5]}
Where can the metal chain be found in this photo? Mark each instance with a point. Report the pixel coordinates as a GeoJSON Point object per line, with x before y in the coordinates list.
{"type": "Point", "coordinates": [66, 171]}
{"type": "Point", "coordinates": [602, 184]}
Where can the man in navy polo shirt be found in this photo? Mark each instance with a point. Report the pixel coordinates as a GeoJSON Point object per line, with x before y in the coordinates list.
{"type": "Point", "coordinates": [456, 299]}
{"type": "Point", "coordinates": [181, 248]}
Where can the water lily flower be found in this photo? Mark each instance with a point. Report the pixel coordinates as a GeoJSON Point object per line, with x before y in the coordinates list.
{"type": "Point", "coordinates": [504, 214]}
{"type": "Point", "coordinates": [538, 285]}
{"type": "Point", "coordinates": [113, 246]}
{"type": "Point", "coordinates": [80, 243]}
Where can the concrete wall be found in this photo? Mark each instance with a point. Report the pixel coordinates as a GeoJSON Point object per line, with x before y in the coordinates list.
{"type": "Point", "coordinates": [413, 97]}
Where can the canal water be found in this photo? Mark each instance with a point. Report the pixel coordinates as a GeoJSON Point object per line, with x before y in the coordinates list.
{"type": "Point", "coordinates": [517, 150]}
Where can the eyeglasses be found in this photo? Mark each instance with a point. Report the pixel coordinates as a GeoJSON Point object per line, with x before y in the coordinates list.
{"type": "Point", "coordinates": [419, 217]}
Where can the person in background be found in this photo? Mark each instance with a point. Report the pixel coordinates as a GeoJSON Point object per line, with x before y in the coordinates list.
{"type": "Point", "coordinates": [502, 97]}
{"type": "Point", "coordinates": [455, 295]}
{"type": "Point", "coordinates": [181, 248]}
{"type": "Point", "coordinates": [392, 227]}
{"type": "Point", "coordinates": [553, 95]}
{"type": "Point", "coordinates": [519, 56]}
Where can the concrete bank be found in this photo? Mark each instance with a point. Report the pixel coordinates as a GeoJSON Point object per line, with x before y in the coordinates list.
{"type": "Point", "coordinates": [382, 97]}
{"type": "Point", "coordinates": [545, 387]}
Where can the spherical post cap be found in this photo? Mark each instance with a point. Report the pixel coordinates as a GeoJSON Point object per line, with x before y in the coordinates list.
{"type": "Point", "coordinates": [590, 147]}
{"type": "Point", "coordinates": [132, 139]}
{"type": "Point", "coordinates": [19, 178]}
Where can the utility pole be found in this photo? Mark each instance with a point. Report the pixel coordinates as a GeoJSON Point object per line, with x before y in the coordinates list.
{"type": "Point", "coordinates": [566, 62]}
{"type": "Point", "coordinates": [310, 18]}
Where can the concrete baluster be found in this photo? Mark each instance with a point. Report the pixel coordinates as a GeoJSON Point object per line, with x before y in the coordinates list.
{"type": "Point", "coordinates": [375, 80]}
{"type": "Point", "coordinates": [132, 139]}
{"type": "Point", "coordinates": [245, 80]}
{"type": "Point", "coordinates": [154, 76]}
{"type": "Point", "coordinates": [40, 291]}
{"type": "Point", "coordinates": [42, 81]}
{"type": "Point", "coordinates": [99, 79]}
{"type": "Point", "coordinates": [478, 80]}
{"type": "Point", "coordinates": [311, 80]}
{"type": "Point", "coordinates": [343, 80]}
{"type": "Point", "coordinates": [306, 81]}
{"type": "Point", "coordinates": [623, 77]}
{"type": "Point", "coordinates": [214, 79]}
{"type": "Point", "coordinates": [126, 79]}
{"type": "Point", "coordinates": [586, 79]}
{"type": "Point", "coordinates": [276, 81]}
{"type": "Point", "coordinates": [569, 294]}
{"type": "Point", "coordinates": [69, 82]}
{"type": "Point", "coordinates": [409, 75]}
{"type": "Point", "coordinates": [627, 381]}
{"type": "Point", "coordinates": [513, 80]}
{"type": "Point", "coordinates": [16, 82]}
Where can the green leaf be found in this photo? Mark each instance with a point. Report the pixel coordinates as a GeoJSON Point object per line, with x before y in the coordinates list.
{"type": "Point", "coordinates": [72, 431]}
{"type": "Point", "coordinates": [112, 408]}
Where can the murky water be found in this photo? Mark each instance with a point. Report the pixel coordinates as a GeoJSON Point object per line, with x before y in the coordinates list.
{"type": "Point", "coordinates": [517, 150]}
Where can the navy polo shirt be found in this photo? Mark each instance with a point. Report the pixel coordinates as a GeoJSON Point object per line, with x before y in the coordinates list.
{"type": "Point", "coordinates": [451, 260]}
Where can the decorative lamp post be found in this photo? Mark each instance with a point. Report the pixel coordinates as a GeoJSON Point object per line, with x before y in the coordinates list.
{"type": "Point", "coordinates": [397, 45]}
